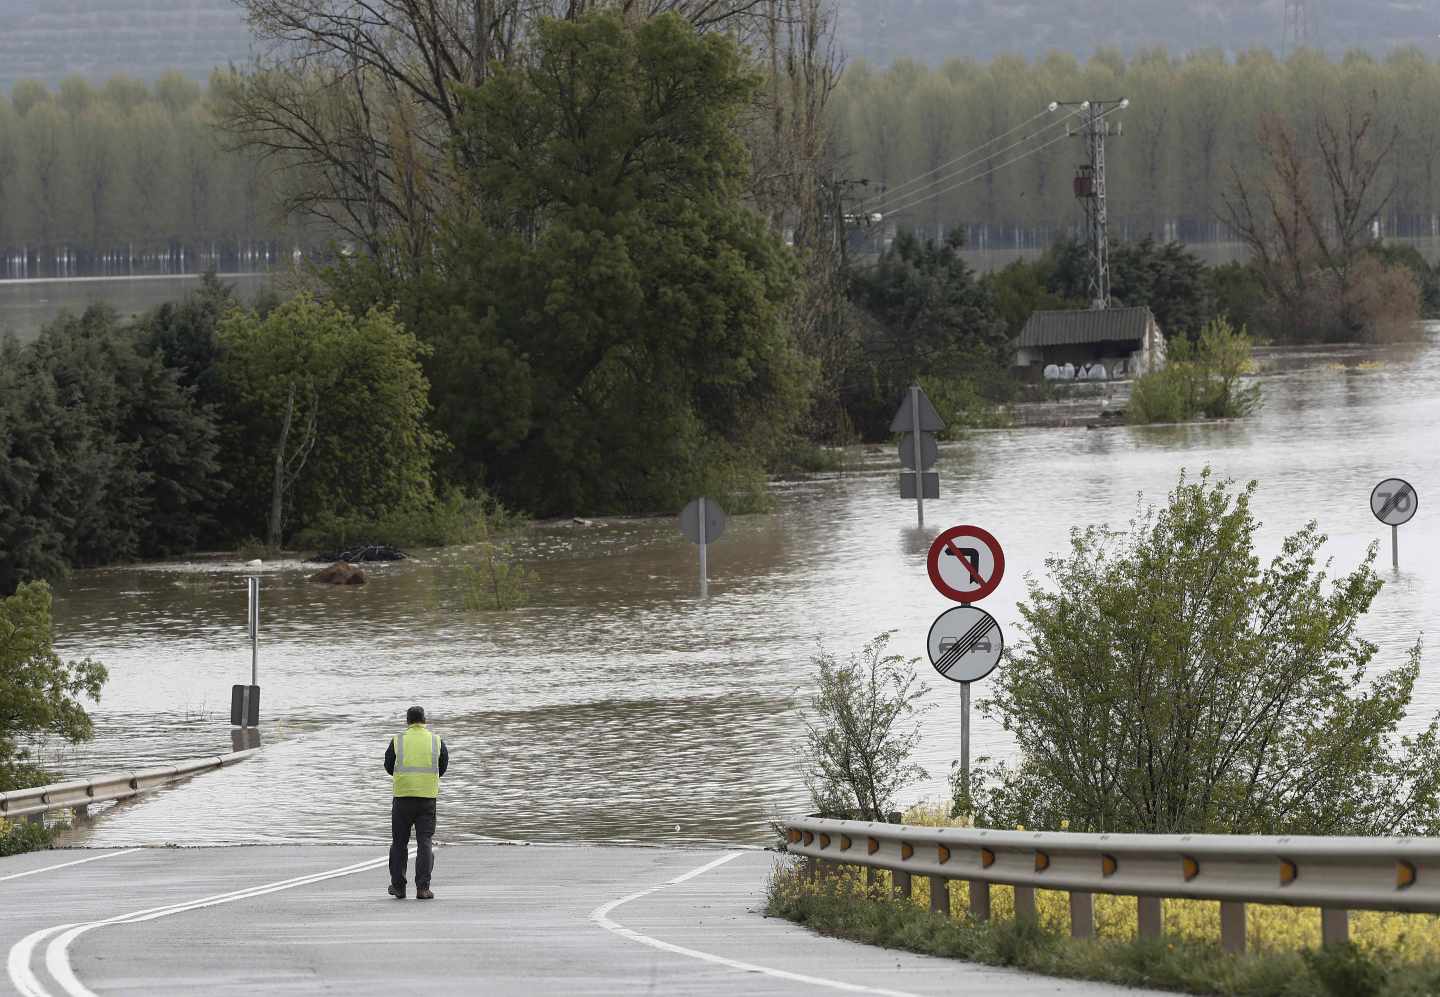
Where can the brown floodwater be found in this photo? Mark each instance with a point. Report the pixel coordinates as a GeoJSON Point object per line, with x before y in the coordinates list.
{"type": "Point", "coordinates": [621, 706]}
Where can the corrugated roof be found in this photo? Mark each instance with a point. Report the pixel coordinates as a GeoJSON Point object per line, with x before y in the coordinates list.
{"type": "Point", "coordinates": [1092, 325]}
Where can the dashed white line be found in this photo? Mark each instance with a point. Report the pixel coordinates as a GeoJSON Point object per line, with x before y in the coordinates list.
{"type": "Point", "coordinates": [601, 916]}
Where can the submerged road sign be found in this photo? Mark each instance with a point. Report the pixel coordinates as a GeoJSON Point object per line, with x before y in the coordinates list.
{"type": "Point", "coordinates": [917, 419]}
{"type": "Point", "coordinates": [929, 451]}
{"type": "Point", "coordinates": [1394, 501]}
{"type": "Point", "coordinates": [702, 521]}
{"type": "Point", "coordinates": [965, 563]}
{"type": "Point", "coordinates": [965, 644]}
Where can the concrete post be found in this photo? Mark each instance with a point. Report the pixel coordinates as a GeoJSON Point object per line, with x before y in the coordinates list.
{"type": "Point", "coordinates": [979, 900]}
{"type": "Point", "coordinates": [939, 895]}
{"type": "Point", "coordinates": [1334, 926]}
{"type": "Point", "coordinates": [1082, 914]}
{"type": "Point", "coordinates": [1150, 915]}
{"type": "Point", "coordinates": [1232, 926]}
{"type": "Point", "coordinates": [1025, 903]}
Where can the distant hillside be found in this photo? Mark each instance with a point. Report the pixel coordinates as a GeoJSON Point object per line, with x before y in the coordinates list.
{"type": "Point", "coordinates": [51, 39]}
{"type": "Point", "coordinates": [931, 31]}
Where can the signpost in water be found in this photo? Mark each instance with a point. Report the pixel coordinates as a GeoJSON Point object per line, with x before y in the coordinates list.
{"type": "Point", "coordinates": [1394, 502]}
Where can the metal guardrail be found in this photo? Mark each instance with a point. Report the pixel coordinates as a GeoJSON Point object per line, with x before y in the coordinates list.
{"type": "Point", "coordinates": [1333, 873]}
{"type": "Point", "coordinates": [81, 794]}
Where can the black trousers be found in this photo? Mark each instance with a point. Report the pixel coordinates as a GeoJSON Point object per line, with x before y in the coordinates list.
{"type": "Point", "coordinates": [405, 812]}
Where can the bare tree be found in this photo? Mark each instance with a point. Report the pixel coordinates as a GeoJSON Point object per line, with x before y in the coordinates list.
{"type": "Point", "coordinates": [1311, 214]}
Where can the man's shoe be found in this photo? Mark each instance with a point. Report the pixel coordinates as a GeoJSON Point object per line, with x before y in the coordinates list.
{"type": "Point", "coordinates": [424, 894]}
{"type": "Point", "coordinates": [398, 892]}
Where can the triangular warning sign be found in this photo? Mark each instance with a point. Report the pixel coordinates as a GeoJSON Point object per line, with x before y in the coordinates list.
{"type": "Point", "coordinates": [930, 421]}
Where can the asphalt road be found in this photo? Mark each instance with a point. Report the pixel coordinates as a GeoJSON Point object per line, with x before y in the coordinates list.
{"type": "Point", "coordinates": [513, 919]}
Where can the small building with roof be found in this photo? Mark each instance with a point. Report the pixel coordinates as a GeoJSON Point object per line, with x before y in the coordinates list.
{"type": "Point", "coordinates": [1091, 344]}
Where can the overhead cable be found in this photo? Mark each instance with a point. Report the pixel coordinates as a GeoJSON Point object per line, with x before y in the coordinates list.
{"type": "Point", "coordinates": [890, 196]}
{"type": "Point", "coordinates": [981, 176]}
{"type": "Point", "coordinates": [966, 155]}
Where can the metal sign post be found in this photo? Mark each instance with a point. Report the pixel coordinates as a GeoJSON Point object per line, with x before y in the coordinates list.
{"type": "Point", "coordinates": [253, 615]}
{"type": "Point", "coordinates": [915, 435]}
{"type": "Point", "coordinates": [1394, 501]}
{"type": "Point", "coordinates": [245, 699]}
{"type": "Point", "coordinates": [965, 563]}
{"type": "Point", "coordinates": [703, 521]}
{"type": "Point", "coordinates": [917, 419]}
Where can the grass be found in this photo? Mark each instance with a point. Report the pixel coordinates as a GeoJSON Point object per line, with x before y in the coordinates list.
{"type": "Point", "coordinates": [1283, 961]}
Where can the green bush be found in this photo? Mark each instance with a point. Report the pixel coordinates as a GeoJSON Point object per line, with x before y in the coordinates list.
{"type": "Point", "coordinates": [17, 838]}
{"type": "Point", "coordinates": [1198, 380]}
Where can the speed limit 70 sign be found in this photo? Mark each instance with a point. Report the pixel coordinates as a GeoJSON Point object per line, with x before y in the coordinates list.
{"type": "Point", "coordinates": [1394, 501]}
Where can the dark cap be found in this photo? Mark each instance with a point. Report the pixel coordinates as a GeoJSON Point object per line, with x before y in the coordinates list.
{"type": "Point", "coordinates": [415, 715]}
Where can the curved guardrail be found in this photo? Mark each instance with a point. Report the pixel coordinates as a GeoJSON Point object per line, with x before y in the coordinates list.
{"type": "Point", "coordinates": [1336, 874]}
{"type": "Point", "coordinates": [79, 795]}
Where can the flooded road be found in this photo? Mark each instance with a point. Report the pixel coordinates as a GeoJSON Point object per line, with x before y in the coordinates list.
{"type": "Point", "coordinates": [619, 706]}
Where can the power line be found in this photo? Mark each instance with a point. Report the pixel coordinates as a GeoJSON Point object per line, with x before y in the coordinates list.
{"type": "Point", "coordinates": [998, 152]}
{"type": "Point", "coordinates": [986, 173]}
{"type": "Point", "coordinates": [966, 155]}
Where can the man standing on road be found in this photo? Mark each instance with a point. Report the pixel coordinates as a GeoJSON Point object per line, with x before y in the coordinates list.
{"type": "Point", "coordinates": [417, 759]}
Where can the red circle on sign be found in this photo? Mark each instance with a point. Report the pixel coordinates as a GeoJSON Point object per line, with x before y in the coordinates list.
{"type": "Point", "coordinates": [946, 540]}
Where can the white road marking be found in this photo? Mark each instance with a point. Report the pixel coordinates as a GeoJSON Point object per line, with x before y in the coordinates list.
{"type": "Point", "coordinates": [65, 865]}
{"type": "Point", "coordinates": [601, 916]}
{"type": "Point", "coordinates": [18, 965]}
{"type": "Point", "coordinates": [57, 956]}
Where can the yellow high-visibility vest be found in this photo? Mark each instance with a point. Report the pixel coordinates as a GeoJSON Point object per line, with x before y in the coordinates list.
{"type": "Point", "coordinates": [417, 762]}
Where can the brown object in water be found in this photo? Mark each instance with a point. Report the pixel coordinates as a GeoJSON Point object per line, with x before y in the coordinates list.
{"type": "Point", "coordinates": [340, 573]}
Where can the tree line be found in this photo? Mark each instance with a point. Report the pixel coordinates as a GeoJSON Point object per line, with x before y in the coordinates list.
{"type": "Point", "coordinates": [1193, 123]}
{"type": "Point", "coordinates": [127, 176]}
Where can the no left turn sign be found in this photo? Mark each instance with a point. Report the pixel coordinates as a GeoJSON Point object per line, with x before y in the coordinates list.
{"type": "Point", "coordinates": [965, 563]}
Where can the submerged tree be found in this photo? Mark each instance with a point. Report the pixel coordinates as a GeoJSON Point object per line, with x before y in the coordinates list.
{"type": "Point", "coordinates": [1171, 684]}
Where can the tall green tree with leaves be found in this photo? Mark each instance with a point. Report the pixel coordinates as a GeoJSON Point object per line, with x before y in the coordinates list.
{"type": "Point", "coordinates": [608, 320]}
{"type": "Point", "coordinates": [40, 695]}
{"type": "Point", "coordinates": [1171, 683]}
{"type": "Point", "coordinates": [325, 413]}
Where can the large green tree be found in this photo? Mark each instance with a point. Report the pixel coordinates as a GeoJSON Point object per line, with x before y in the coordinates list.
{"type": "Point", "coordinates": [325, 415]}
{"type": "Point", "coordinates": [609, 318]}
{"type": "Point", "coordinates": [1172, 684]}
{"type": "Point", "coordinates": [40, 694]}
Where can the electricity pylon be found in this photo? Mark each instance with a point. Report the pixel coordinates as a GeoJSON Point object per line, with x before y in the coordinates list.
{"type": "Point", "coordinates": [1299, 29]}
{"type": "Point", "coordinates": [1090, 192]}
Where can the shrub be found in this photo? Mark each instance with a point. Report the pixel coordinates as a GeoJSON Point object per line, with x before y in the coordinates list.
{"type": "Point", "coordinates": [1199, 380]}
{"type": "Point", "coordinates": [861, 730]}
{"type": "Point", "coordinates": [17, 838]}
{"type": "Point", "coordinates": [1246, 690]}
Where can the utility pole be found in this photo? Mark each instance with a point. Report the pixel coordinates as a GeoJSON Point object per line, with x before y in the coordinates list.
{"type": "Point", "coordinates": [1090, 192]}
{"type": "Point", "coordinates": [1299, 30]}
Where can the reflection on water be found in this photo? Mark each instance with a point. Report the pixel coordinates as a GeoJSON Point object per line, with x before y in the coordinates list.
{"type": "Point", "coordinates": [619, 706]}
{"type": "Point", "coordinates": [27, 305]}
